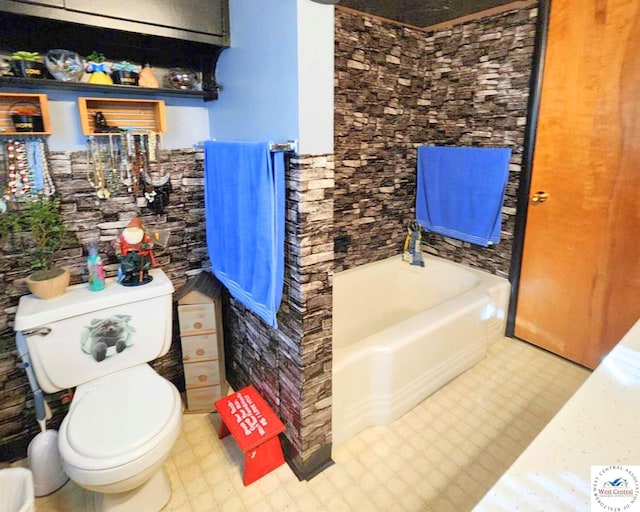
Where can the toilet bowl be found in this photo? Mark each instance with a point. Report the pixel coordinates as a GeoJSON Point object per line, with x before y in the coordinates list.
{"type": "Point", "coordinates": [119, 430]}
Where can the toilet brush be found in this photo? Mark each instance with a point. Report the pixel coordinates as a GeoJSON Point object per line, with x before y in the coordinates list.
{"type": "Point", "coordinates": [43, 454]}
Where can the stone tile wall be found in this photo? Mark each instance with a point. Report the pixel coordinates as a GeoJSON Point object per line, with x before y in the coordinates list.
{"type": "Point", "coordinates": [291, 365]}
{"type": "Point", "coordinates": [398, 88]}
{"type": "Point", "coordinates": [89, 219]}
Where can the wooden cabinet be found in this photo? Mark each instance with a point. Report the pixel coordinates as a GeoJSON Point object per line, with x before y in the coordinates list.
{"type": "Point", "coordinates": [204, 16]}
{"type": "Point", "coordinates": [193, 40]}
{"type": "Point", "coordinates": [52, 3]}
{"type": "Point", "coordinates": [205, 21]}
{"type": "Point", "coordinates": [200, 321]}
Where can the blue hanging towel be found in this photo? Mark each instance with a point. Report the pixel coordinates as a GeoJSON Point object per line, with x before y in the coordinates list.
{"type": "Point", "coordinates": [244, 205]}
{"type": "Point", "coordinates": [461, 191]}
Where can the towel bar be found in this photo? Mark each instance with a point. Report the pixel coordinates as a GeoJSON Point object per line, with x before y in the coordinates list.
{"type": "Point", "coordinates": [290, 146]}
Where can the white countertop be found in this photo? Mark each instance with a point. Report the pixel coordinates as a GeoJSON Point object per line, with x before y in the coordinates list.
{"type": "Point", "coordinates": [599, 426]}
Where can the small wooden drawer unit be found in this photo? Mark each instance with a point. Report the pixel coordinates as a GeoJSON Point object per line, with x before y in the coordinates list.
{"type": "Point", "coordinates": [200, 320]}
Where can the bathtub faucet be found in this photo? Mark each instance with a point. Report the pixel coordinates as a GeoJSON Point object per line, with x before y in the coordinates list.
{"type": "Point", "coordinates": [413, 245]}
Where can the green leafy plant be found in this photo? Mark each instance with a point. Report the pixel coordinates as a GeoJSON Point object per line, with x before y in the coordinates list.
{"type": "Point", "coordinates": [10, 223]}
{"type": "Point", "coordinates": [96, 57]}
{"type": "Point", "coordinates": [41, 223]}
{"type": "Point", "coordinates": [30, 56]}
{"type": "Point", "coordinates": [45, 223]}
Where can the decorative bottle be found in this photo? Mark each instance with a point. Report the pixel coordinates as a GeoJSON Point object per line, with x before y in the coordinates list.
{"type": "Point", "coordinates": [96, 272]}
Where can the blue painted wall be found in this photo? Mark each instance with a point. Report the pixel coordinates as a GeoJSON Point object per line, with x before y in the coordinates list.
{"type": "Point", "coordinates": [259, 74]}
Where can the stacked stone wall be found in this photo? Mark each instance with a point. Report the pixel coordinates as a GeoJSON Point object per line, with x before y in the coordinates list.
{"type": "Point", "coordinates": [398, 88]}
{"type": "Point", "coordinates": [89, 219]}
{"type": "Point", "coordinates": [291, 365]}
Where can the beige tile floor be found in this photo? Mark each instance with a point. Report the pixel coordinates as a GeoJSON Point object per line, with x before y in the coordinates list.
{"type": "Point", "coordinates": [440, 457]}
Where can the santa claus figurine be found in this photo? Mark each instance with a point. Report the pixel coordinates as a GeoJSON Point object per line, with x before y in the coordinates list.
{"type": "Point", "coordinates": [133, 250]}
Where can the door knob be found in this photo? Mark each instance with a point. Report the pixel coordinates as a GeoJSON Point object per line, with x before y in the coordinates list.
{"type": "Point", "coordinates": [540, 197]}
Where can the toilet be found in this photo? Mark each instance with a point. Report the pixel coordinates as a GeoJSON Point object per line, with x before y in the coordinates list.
{"type": "Point", "coordinates": [124, 418]}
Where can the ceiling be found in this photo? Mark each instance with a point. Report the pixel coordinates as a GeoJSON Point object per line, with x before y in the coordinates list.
{"type": "Point", "coordinates": [422, 13]}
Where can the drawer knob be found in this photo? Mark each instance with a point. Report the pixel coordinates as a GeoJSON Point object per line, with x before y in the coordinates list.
{"type": "Point", "coordinates": [202, 378]}
{"type": "Point", "coordinates": [200, 352]}
{"type": "Point", "coordinates": [197, 325]}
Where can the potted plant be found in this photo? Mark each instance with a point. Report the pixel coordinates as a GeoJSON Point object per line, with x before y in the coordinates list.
{"type": "Point", "coordinates": [43, 219]}
{"type": "Point", "coordinates": [27, 65]}
{"type": "Point", "coordinates": [98, 68]}
{"type": "Point", "coordinates": [124, 73]}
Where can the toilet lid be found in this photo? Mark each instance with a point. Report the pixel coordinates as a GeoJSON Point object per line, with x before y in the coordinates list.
{"type": "Point", "coordinates": [120, 415]}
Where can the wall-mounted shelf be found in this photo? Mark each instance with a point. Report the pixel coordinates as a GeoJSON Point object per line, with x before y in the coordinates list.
{"type": "Point", "coordinates": [6, 123]}
{"type": "Point", "coordinates": [139, 115]}
{"type": "Point", "coordinates": [87, 88]}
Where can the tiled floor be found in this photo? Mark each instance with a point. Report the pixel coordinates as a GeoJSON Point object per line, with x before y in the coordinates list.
{"type": "Point", "coordinates": [440, 457]}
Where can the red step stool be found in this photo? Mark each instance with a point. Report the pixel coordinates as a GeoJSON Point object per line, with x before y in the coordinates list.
{"type": "Point", "coordinates": [255, 427]}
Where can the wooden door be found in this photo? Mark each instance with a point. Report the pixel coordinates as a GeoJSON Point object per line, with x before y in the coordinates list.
{"type": "Point", "coordinates": [579, 288]}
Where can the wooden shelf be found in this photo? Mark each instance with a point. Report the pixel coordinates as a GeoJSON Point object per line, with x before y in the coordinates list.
{"type": "Point", "coordinates": [139, 115]}
{"type": "Point", "coordinates": [87, 88]}
{"type": "Point", "coordinates": [6, 123]}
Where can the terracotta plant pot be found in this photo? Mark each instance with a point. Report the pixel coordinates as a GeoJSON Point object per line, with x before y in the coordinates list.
{"type": "Point", "coordinates": [45, 287]}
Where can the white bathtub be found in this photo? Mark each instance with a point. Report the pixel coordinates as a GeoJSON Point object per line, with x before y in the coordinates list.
{"type": "Point", "coordinates": [400, 332]}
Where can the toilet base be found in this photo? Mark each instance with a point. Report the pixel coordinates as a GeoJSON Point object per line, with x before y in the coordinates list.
{"type": "Point", "coordinates": [149, 497]}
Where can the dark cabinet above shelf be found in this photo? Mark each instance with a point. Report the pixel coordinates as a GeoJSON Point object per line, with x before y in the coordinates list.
{"type": "Point", "coordinates": [30, 32]}
{"type": "Point", "coordinates": [203, 21]}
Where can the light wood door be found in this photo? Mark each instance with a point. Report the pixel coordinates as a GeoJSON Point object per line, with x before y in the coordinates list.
{"type": "Point", "coordinates": [579, 288]}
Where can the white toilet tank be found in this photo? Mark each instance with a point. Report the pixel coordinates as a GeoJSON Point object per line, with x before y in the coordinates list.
{"type": "Point", "coordinates": [84, 335]}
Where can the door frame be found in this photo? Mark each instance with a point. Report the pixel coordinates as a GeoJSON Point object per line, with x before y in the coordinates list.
{"type": "Point", "coordinates": [533, 109]}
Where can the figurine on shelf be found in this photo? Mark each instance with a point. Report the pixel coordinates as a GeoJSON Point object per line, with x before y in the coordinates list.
{"type": "Point", "coordinates": [98, 68]}
{"type": "Point", "coordinates": [102, 126]}
{"type": "Point", "coordinates": [147, 78]}
{"type": "Point", "coordinates": [134, 251]}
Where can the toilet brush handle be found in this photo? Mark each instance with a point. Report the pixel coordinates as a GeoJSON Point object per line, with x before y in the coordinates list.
{"type": "Point", "coordinates": [38, 399]}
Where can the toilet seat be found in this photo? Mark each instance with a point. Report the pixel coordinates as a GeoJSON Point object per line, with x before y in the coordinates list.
{"type": "Point", "coordinates": [119, 425]}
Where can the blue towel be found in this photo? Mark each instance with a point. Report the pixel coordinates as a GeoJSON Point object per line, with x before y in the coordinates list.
{"type": "Point", "coordinates": [244, 204]}
{"type": "Point", "coordinates": [461, 191]}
